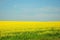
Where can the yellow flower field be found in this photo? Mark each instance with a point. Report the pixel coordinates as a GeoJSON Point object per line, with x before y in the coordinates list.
{"type": "Point", "coordinates": [25, 25]}
{"type": "Point", "coordinates": [24, 30]}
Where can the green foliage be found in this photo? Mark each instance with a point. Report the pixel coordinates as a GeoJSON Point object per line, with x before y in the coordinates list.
{"type": "Point", "coordinates": [51, 34]}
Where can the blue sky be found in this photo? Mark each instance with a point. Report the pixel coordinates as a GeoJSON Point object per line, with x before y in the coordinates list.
{"type": "Point", "coordinates": [39, 10]}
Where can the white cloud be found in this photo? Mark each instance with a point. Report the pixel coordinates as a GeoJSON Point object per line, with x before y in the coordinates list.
{"type": "Point", "coordinates": [41, 17]}
{"type": "Point", "coordinates": [42, 11]}
{"type": "Point", "coordinates": [45, 13]}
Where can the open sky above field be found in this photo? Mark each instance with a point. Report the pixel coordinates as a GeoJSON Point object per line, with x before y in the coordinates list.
{"type": "Point", "coordinates": [39, 10]}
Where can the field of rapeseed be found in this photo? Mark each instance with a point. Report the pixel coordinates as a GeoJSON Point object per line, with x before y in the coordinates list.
{"type": "Point", "coordinates": [12, 30]}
